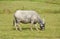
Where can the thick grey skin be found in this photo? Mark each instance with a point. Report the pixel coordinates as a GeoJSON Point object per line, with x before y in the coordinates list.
{"type": "Point", "coordinates": [27, 16]}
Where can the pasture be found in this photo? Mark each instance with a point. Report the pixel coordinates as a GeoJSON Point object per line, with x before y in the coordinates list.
{"type": "Point", "coordinates": [51, 13]}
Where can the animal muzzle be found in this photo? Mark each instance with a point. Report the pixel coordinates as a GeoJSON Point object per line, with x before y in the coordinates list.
{"type": "Point", "coordinates": [42, 27]}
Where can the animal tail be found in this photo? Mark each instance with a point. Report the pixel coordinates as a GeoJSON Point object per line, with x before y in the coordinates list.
{"type": "Point", "coordinates": [15, 21]}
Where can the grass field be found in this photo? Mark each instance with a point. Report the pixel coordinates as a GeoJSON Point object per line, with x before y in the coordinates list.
{"type": "Point", "coordinates": [52, 30]}
{"type": "Point", "coordinates": [49, 11]}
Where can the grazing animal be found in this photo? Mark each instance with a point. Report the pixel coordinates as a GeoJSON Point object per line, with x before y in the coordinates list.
{"type": "Point", "coordinates": [27, 16]}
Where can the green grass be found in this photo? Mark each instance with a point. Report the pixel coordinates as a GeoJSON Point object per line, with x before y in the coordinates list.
{"type": "Point", "coordinates": [41, 7]}
{"type": "Point", "coordinates": [50, 10]}
{"type": "Point", "coordinates": [52, 30]}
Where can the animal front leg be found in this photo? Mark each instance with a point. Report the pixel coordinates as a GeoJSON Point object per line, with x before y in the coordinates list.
{"type": "Point", "coordinates": [31, 25]}
{"type": "Point", "coordinates": [36, 27]}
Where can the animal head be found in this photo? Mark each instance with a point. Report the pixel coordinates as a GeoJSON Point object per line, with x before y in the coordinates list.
{"type": "Point", "coordinates": [42, 24]}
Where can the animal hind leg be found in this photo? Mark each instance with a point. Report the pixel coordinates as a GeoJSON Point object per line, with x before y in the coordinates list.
{"type": "Point", "coordinates": [17, 25]}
